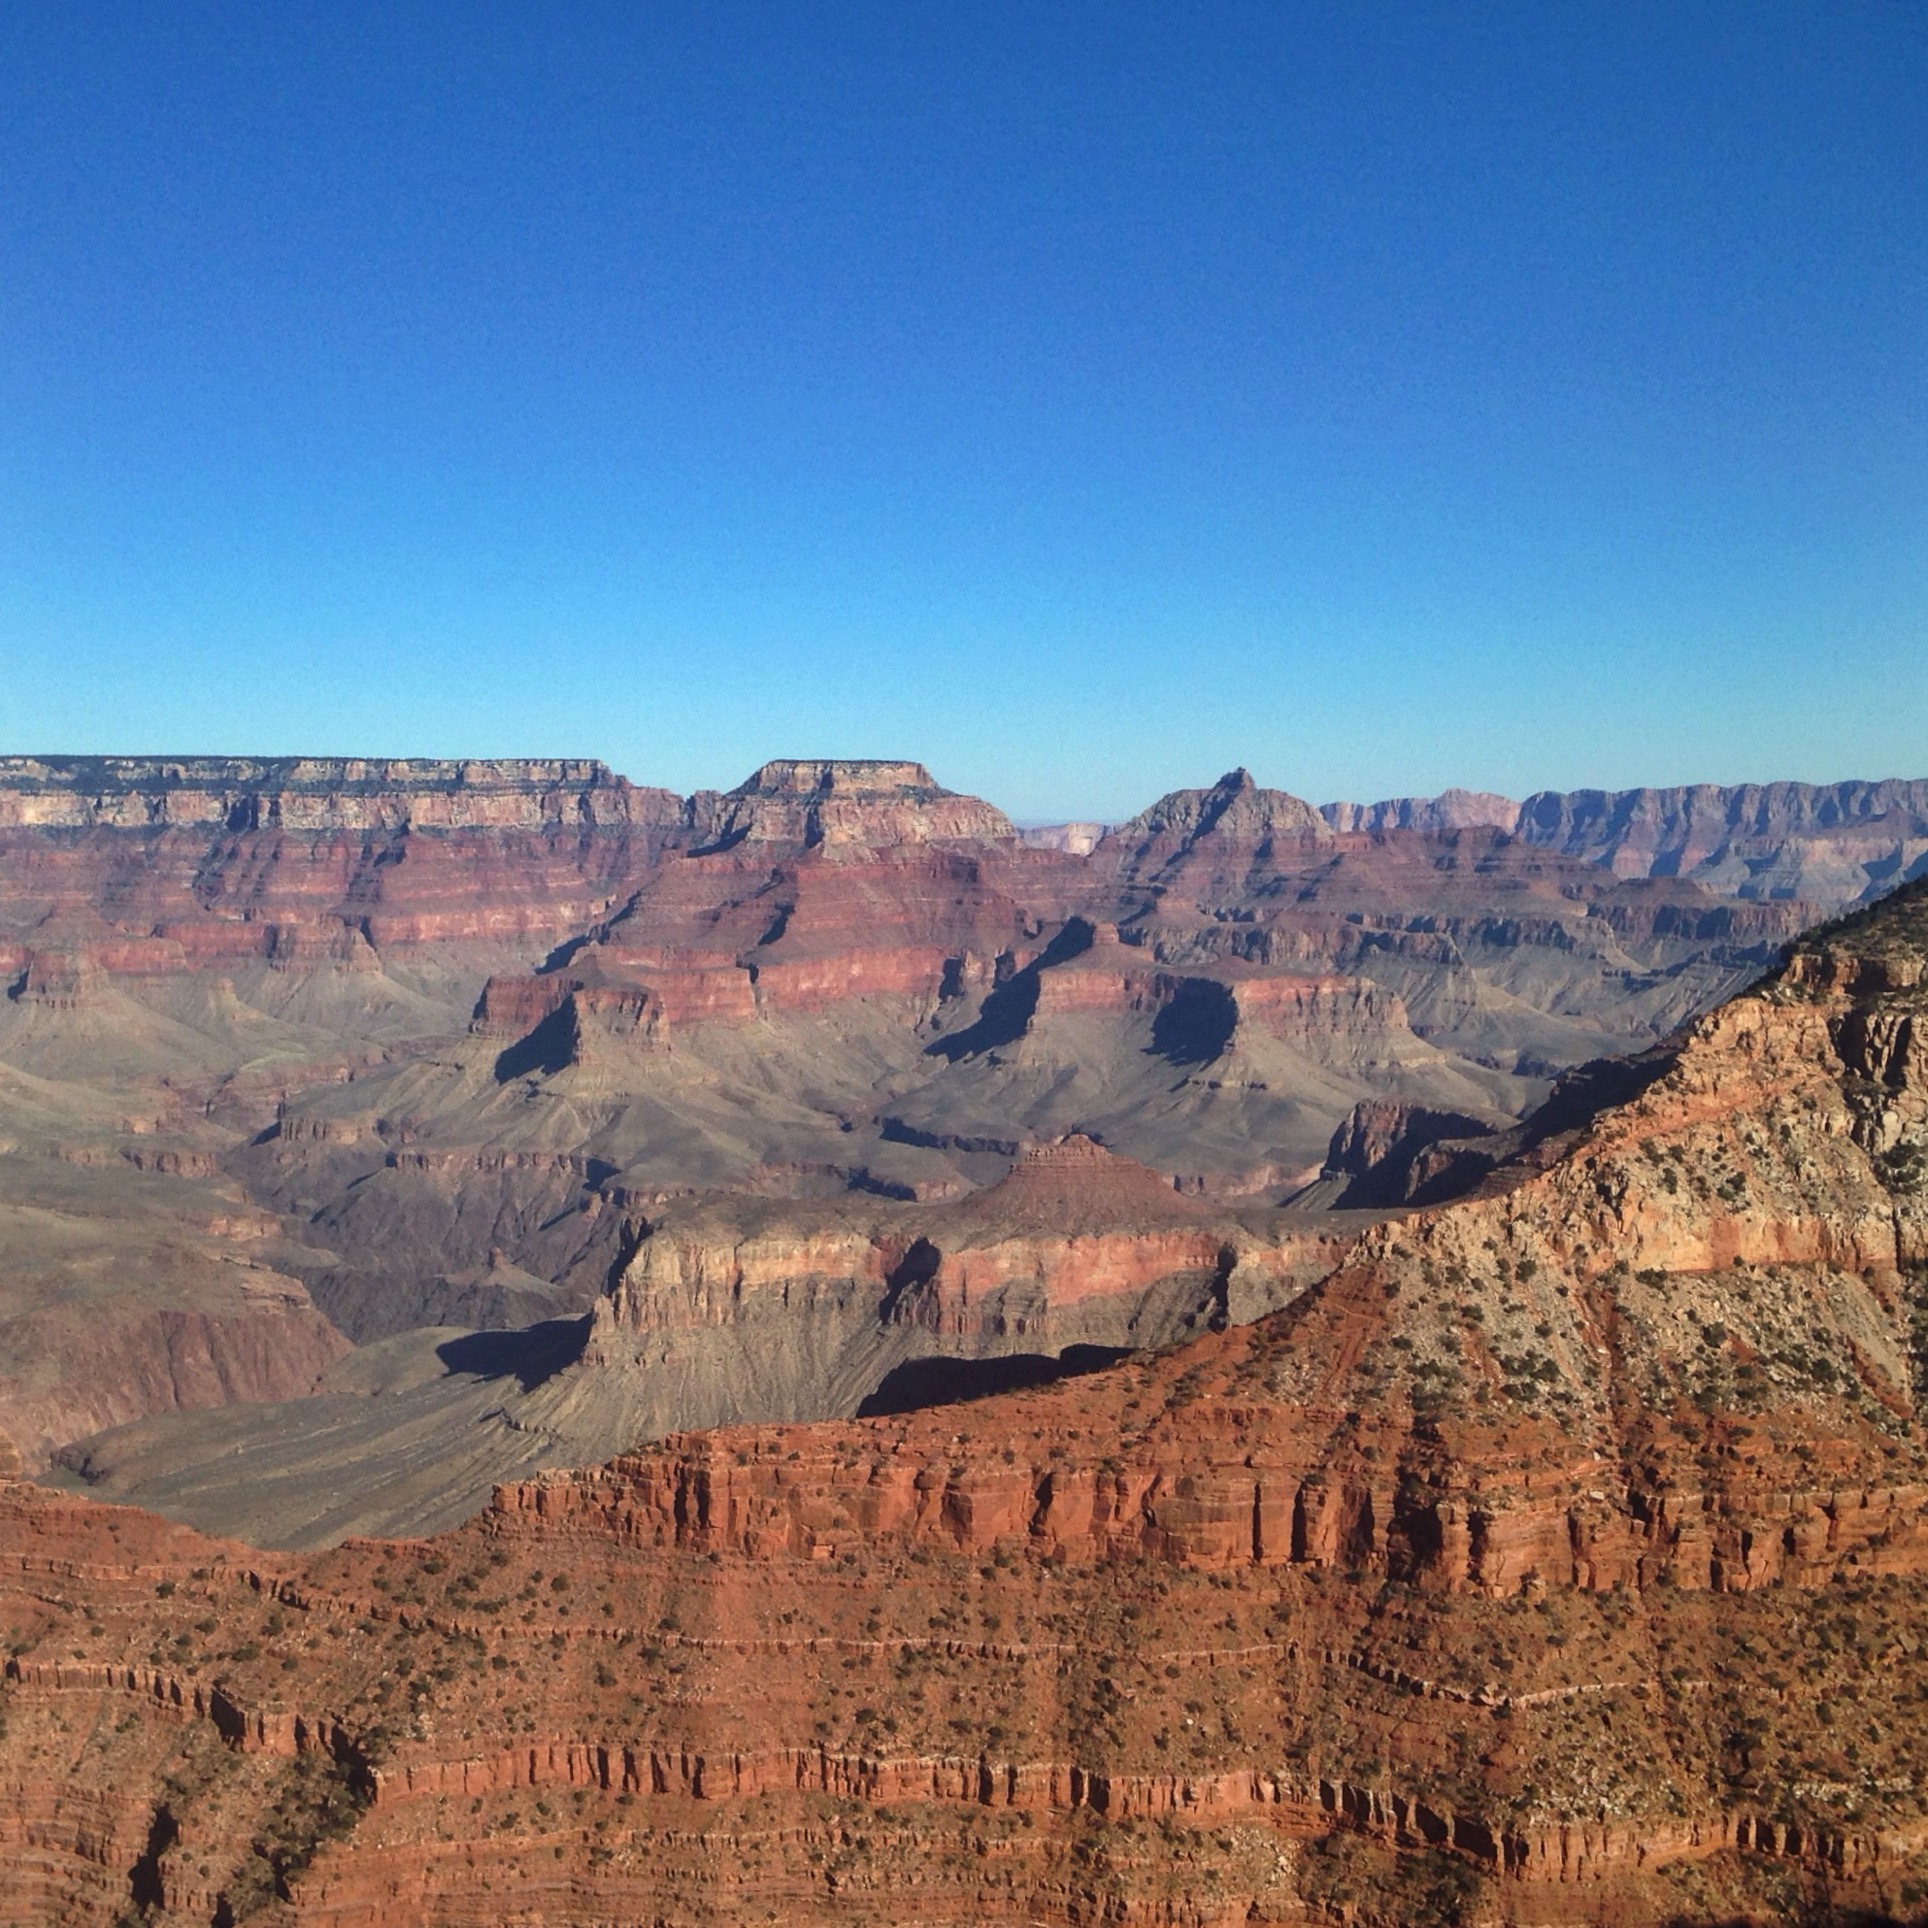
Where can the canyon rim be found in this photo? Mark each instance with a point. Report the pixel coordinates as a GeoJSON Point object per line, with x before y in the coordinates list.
{"type": "Point", "coordinates": [579, 1355]}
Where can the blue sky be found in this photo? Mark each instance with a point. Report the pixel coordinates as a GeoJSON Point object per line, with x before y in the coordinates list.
{"type": "Point", "coordinates": [1084, 400]}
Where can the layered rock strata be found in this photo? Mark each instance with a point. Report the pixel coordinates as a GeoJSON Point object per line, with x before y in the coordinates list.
{"type": "Point", "coordinates": [727, 1313]}
{"type": "Point", "coordinates": [453, 1026]}
{"type": "Point", "coordinates": [1555, 1557]}
{"type": "Point", "coordinates": [1828, 844]}
{"type": "Point", "coordinates": [1675, 1344]}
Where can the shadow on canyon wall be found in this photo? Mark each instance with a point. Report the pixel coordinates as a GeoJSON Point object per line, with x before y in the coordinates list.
{"type": "Point", "coordinates": [533, 1354]}
{"type": "Point", "coordinates": [941, 1382]}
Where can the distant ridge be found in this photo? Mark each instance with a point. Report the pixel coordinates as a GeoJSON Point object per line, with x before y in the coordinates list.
{"type": "Point", "coordinates": [1823, 843]}
{"type": "Point", "coordinates": [298, 772]}
{"type": "Point", "coordinates": [322, 792]}
{"type": "Point", "coordinates": [1830, 845]}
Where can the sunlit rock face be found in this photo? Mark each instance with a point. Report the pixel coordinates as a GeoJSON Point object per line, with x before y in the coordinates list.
{"type": "Point", "coordinates": [458, 1028]}
{"type": "Point", "coordinates": [1554, 1554]}
{"type": "Point", "coordinates": [299, 1053]}
{"type": "Point", "coordinates": [830, 803]}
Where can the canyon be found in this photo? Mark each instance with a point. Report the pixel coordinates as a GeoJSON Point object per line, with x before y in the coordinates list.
{"type": "Point", "coordinates": [1550, 1551]}
{"type": "Point", "coordinates": [373, 1131]}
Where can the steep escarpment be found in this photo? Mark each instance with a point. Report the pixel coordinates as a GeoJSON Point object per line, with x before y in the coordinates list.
{"type": "Point", "coordinates": [308, 793]}
{"type": "Point", "coordinates": [1077, 1255]}
{"type": "Point", "coordinates": [1554, 1556]}
{"type": "Point", "coordinates": [147, 866]}
{"type": "Point", "coordinates": [150, 865]}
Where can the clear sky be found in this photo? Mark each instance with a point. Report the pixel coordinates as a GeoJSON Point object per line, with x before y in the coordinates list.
{"type": "Point", "coordinates": [1082, 399]}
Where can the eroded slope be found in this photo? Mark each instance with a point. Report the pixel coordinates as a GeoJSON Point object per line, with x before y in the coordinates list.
{"type": "Point", "coordinates": [1557, 1557]}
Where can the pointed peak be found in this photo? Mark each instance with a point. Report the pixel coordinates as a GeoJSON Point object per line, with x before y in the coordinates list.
{"type": "Point", "coordinates": [1235, 806]}
{"type": "Point", "coordinates": [1076, 1183]}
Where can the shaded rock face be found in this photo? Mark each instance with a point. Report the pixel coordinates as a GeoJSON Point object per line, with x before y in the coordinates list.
{"type": "Point", "coordinates": [76, 1376]}
{"type": "Point", "coordinates": [1556, 1557]}
{"type": "Point", "coordinates": [1382, 1150]}
{"type": "Point", "coordinates": [135, 1280]}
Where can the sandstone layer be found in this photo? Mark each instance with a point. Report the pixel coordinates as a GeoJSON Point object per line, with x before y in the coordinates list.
{"type": "Point", "coordinates": [1555, 1556]}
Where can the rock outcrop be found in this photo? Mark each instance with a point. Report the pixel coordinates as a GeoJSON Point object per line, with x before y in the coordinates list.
{"type": "Point", "coordinates": [1236, 809]}
{"type": "Point", "coordinates": [1555, 1556]}
{"type": "Point", "coordinates": [804, 803]}
{"type": "Point", "coordinates": [723, 1313]}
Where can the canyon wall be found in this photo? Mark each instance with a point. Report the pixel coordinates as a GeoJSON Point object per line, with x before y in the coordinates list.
{"type": "Point", "coordinates": [1554, 1555]}
{"type": "Point", "coordinates": [1825, 844]}
{"type": "Point", "coordinates": [450, 1031]}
